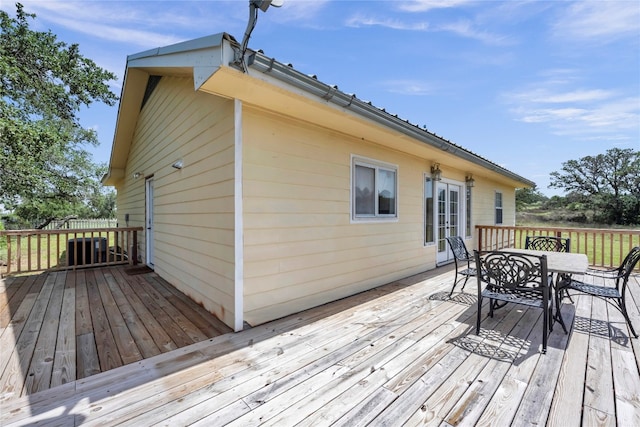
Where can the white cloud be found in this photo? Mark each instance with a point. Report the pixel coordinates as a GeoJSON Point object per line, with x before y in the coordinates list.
{"type": "Point", "coordinates": [145, 23]}
{"type": "Point", "coordinates": [465, 28]}
{"type": "Point", "coordinates": [395, 24]}
{"type": "Point", "coordinates": [462, 28]}
{"type": "Point", "coordinates": [298, 10]}
{"type": "Point", "coordinates": [119, 34]}
{"type": "Point", "coordinates": [585, 113]}
{"type": "Point", "coordinates": [408, 87]}
{"type": "Point", "coordinates": [545, 95]}
{"type": "Point", "coordinates": [599, 21]}
{"type": "Point", "coordinates": [426, 5]}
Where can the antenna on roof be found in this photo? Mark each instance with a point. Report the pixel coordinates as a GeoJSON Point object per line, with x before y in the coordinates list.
{"type": "Point", "coordinates": [254, 5]}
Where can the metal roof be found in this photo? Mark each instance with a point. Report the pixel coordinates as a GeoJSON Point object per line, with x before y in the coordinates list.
{"type": "Point", "coordinates": [330, 93]}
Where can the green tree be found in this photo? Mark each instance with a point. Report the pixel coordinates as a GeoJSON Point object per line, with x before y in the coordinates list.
{"type": "Point", "coordinates": [46, 170]}
{"type": "Point", "coordinates": [607, 183]}
{"type": "Point", "coordinates": [529, 196]}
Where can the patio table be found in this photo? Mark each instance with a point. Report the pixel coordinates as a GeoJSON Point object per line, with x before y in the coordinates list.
{"type": "Point", "coordinates": [559, 263]}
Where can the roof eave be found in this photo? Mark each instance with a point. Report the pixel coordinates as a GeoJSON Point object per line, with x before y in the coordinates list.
{"type": "Point", "coordinates": [198, 57]}
{"type": "Point", "coordinates": [332, 94]}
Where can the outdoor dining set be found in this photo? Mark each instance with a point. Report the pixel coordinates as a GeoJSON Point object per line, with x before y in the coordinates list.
{"type": "Point", "coordinates": [541, 275]}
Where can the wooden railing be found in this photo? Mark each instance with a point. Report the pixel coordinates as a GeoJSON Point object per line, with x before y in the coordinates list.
{"type": "Point", "coordinates": [37, 250]}
{"type": "Point", "coordinates": [603, 247]}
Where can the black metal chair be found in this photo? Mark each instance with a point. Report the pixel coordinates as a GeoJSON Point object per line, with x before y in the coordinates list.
{"type": "Point", "coordinates": [614, 287]}
{"type": "Point", "coordinates": [462, 255]}
{"type": "Point", "coordinates": [517, 278]}
{"type": "Point", "coordinates": [551, 243]}
{"type": "Point", "coordinates": [548, 243]}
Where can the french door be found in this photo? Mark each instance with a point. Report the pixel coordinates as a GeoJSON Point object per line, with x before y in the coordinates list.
{"type": "Point", "coordinates": [448, 218]}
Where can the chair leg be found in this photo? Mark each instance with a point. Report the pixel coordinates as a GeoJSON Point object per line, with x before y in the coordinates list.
{"type": "Point", "coordinates": [562, 279]}
{"type": "Point", "coordinates": [545, 333]}
{"type": "Point", "coordinates": [558, 315]}
{"type": "Point", "coordinates": [466, 279]}
{"type": "Point", "coordinates": [479, 315]}
{"type": "Point", "coordinates": [455, 281]}
{"type": "Point", "coordinates": [623, 310]}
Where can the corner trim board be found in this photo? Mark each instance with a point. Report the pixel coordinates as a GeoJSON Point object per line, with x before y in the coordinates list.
{"type": "Point", "coordinates": [238, 294]}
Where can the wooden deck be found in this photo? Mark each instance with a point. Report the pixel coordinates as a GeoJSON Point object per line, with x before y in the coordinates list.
{"type": "Point", "coordinates": [61, 326]}
{"type": "Point", "coordinates": [401, 354]}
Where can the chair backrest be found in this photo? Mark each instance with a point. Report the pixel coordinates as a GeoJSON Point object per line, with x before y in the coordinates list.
{"type": "Point", "coordinates": [629, 263]}
{"type": "Point", "coordinates": [548, 243]}
{"type": "Point", "coordinates": [514, 273]}
{"type": "Point", "coordinates": [458, 248]}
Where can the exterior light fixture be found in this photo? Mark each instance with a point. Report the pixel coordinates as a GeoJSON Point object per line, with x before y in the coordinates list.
{"type": "Point", "coordinates": [436, 173]}
{"type": "Point", "coordinates": [137, 175]}
{"type": "Point", "coordinates": [178, 164]}
{"type": "Point", "coordinates": [469, 180]}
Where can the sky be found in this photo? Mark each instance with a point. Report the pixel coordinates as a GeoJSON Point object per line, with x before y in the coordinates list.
{"type": "Point", "coordinates": [528, 85]}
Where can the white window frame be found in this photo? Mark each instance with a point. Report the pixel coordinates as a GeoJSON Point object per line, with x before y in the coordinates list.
{"type": "Point", "coordinates": [376, 165]}
{"type": "Point", "coordinates": [468, 211]}
{"type": "Point", "coordinates": [498, 208]}
{"type": "Point", "coordinates": [428, 182]}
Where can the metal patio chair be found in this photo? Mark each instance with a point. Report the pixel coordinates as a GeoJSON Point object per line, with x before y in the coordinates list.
{"type": "Point", "coordinates": [548, 243]}
{"type": "Point", "coordinates": [614, 284]}
{"type": "Point", "coordinates": [512, 277]}
{"type": "Point", "coordinates": [461, 255]}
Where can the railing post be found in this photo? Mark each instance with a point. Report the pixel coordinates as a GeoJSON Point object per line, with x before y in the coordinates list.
{"type": "Point", "coordinates": [19, 252]}
{"type": "Point", "coordinates": [8, 254]}
{"type": "Point", "coordinates": [134, 251]}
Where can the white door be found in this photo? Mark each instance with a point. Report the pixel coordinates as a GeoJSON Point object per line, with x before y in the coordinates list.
{"type": "Point", "coordinates": [448, 217]}
{"type": "Point", "coordinates": [149, 222]}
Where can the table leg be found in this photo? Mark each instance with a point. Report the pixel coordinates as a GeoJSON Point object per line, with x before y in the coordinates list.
{"type": "Point", "coordinates": [559, 289]}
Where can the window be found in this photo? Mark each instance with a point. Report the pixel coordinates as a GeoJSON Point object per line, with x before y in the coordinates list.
{"type": "Point", "coordinates": [468, 211]}
{"type": "Point", "coordinates": [428, 211]}
{"type": "Point", "coordinates": [374, 190]}
{"type": "Point", "coordinates": [498, 207]}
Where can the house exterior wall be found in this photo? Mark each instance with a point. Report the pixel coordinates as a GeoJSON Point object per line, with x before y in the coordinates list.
{"type": "Point", "coordinates": [194, 206]}
{"type": "Point", "coordinates": [484, 203]}
{"type": "Point", "coordinates": [301, 247]}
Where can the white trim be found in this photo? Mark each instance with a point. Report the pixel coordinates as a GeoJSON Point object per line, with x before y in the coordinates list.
{"type": "Point", "coordinates": [468, 212]}
{"type": "Point", "coordinates": [149, 222]}
{"type": "Point", "coordinates": [447, 257]}
{"type": "Point", "coordinates": [495, 207]}
{"type": "Point", "coordinates": [238, 291]}
{"type": "Point", "coordinates": [377, 164]}
{"type": "Point", "coordinates": [426, 244]}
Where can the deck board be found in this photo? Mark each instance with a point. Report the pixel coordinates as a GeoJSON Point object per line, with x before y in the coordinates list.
{"type": "Point", "coordinates": [64, 364]}
{"type": "Point", "coordinates": [60, 327]}
{"type": "Point", "coordinates": [403, 353]}
{"type": "Point", "coordinates": [108, 355]}
{"type": "Point", "coordinates": [139, 335]}
{"type": "Point", "coordinates": [161, 339]}
{"type": "Point", "coordinates": [41, 367]}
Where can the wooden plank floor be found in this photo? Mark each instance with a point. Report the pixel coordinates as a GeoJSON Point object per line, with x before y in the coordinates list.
{"type": "Point", "coordinates": [401, 354]}
{"type": "Point", "coordinates": [57, 327]}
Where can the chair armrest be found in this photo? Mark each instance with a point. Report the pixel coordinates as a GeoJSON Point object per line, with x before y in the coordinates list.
{"type": "Point", "coordinates": [605, 274]}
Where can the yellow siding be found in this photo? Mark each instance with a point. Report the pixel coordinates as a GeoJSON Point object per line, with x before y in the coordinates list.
{"type": "Point", "coordinates": [194, 207]}
{"type": "Point", "coordinates": [301, 248]}
{"type": "Point", "coordinates": [483, 197]}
